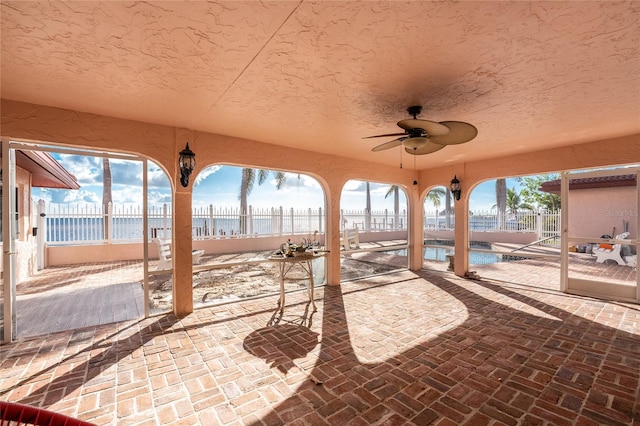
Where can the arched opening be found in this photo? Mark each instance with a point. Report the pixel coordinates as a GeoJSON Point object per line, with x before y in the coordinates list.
{"type": "Point", "coordinates": [514, 230]}
{"type": "Point", "coordinates": [439, 227]}
{"type": "Point", "coordinates": [373, 229]}
{"type": "Point", "coordinates": [242, 216]}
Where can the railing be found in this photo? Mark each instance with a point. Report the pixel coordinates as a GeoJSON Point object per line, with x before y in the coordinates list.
{"type": "Point", "coordinates": [69, 224]}
{"type": "Point", "coordinates": [545, 224]}
{"type": "Point", "coordinates": [376, 220]}
{"type": "Point", "coordinates": [214, 223]}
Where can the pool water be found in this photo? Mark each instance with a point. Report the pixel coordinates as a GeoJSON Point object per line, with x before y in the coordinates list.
{"type": "Point", "coordinates": [475, 258]}
{"type": "Point", "coordinates": [439, 254]}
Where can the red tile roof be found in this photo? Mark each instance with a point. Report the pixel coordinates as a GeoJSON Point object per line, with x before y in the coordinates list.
{"type": "Point", "coordinates": [553, 186]}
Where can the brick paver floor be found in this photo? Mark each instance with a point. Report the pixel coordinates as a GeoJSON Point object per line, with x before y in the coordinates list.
{"type": "Point", "coordinates": [399, 348]}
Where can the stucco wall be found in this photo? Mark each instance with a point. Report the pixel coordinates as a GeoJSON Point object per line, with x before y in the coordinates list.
{"type": "Point", "coordinates": [77, 254]}
{"type": "Point", "coordinates": [596, 212]}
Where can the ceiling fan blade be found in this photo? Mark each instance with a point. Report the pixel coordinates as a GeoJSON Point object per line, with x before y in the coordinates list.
{"type": "Point", "coordinates": [384, 136]}
{"type": "Point", "coordinates": [460, 133]}
{"type": "Point", "coordinates": [388, 145]}
{"type": "Point", "coordinates": [431, 127]}
{"type": "Point", "coordinates": [428, 148]}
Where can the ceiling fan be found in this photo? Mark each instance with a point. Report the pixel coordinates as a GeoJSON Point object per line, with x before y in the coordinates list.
{"type": "Point", "coordinates": [422, 137]}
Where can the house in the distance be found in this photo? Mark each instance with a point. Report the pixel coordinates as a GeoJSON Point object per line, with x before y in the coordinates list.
{"type": "Point", "coordinates": [602, 205]}
{"type": "Point", "coordinates": [33, 169]}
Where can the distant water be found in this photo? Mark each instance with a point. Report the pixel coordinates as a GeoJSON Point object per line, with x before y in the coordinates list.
{"type": "Point", "coordinates": [127, 229]}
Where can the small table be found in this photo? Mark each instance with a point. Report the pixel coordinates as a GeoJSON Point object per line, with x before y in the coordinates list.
{"type": "Point", "coordinates": [286, 263]}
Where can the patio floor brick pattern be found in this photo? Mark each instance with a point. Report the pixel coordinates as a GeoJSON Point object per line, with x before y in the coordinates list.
{"type": "Point", "coordinates": [401, 348]}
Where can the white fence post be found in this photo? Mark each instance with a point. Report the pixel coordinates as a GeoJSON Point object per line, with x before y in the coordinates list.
{"type": "Point", "coordinates": [212, 223]}
{"type": "Point", "coordinates": [109, 221]}
{"type": "Point", "coordinates": [164, 220]}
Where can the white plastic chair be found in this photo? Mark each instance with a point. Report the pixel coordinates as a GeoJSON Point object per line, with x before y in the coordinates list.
{"type": "Point", "coordinates": [613, 253]}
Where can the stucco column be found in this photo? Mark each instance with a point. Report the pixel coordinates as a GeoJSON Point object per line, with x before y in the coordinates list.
{"type": "Point", "coordinates": [332, 239]}
{"type": "Point", "coordinates": [461, 233]}
{"type": "Point", "coordinates": [416, 228]}
{"type": "Point", "coordinates": [181, 232]}
{"type": "Point", "coordinates": [182, 268]}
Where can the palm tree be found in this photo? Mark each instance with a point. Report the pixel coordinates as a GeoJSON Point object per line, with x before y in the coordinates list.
{"type": "Point", "coordinates": [395, 190]}
{"type": "Point", "coordinates": [515, 205]}
{"type": "Point", "coordinates": [434, 196]}
{"type": "Point", "coordinates": [107, 198]}
{"type": "Point", "coordinates": [501, 202]}
{"type": "Point", "coordinates": [246, 186]}
{"type": "Point", "coordinates": [447, 208]}
{"type": "Point", "coordinates": [514, 202]}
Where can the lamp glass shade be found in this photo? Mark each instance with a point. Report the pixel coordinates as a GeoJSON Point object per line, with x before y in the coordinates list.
{"type": "Point", "coordinates": [454, 187]}
{"type": "Point", "coordinates": [415, 143]}
{"type": "Point", "coordinates": [187, 160]}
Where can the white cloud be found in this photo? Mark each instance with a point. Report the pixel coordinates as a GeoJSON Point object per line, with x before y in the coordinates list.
{"type": "Point", "coordinates": [204, 174]}
{"type": "Point", "coordinates": [77, 196]}
{"type": "Point", "coordinates": [353, 185]}
{"type": "Point", "coordinates": [86, 169]}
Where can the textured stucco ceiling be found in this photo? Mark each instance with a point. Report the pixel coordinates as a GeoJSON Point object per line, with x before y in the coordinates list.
{"type": "Point", "coordinates": [322, 75]}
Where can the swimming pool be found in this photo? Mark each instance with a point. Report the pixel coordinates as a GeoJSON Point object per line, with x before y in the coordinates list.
{"type": "Point", "coordinates": [440, 254]}
{"type": "Point", "coordinates": [475, 258]}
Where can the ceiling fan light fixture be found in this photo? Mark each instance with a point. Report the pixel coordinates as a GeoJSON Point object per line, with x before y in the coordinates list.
{"type": "Point", "coordinates": [416, 143]}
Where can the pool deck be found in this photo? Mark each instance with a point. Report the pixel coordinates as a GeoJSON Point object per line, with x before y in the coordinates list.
{"type": "Point", "coordinates": [78, 296]}
{"type": "Point", "coordinates": [412, 348]}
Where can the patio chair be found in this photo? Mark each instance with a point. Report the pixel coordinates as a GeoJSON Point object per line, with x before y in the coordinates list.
{"type": "Point", "coordinates": [12, 413]}
{"type": "Point", "coordinates": [165, 256]}
{"type": "Point", "coordinates": [606, 252]}
{"type": "Point", "coordinates": [350, 236]}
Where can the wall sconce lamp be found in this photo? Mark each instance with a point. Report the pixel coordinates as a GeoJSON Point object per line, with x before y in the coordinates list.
{"type": "Point", "coordinates": [455, 187]}
{"type": "Point", "coordinates": [187, 163]}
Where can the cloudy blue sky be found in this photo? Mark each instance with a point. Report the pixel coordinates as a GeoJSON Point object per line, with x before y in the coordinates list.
{"type": "Point", "coordinates": [219, 185]}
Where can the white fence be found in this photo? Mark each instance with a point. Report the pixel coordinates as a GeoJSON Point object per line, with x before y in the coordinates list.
{"type": "Point", "coordinates": [376, 220]}
{"type": "Point", "coordinates": [545, 224]}
{"type": "Point", "coordinates": [67, 224]}
{"type": "Point", "coordinates": [70, 224]}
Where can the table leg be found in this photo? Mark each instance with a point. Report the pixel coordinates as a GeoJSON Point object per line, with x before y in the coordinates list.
{"type": "Point", "coordinates": [281, 300]}
{"type": "Point", "coordinates": [311, 285]}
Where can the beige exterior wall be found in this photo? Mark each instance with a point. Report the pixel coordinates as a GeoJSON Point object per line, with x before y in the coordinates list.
{"type": "Point", "coordinates": [26, 261]}
{"type": "Point", "coordinates": [162, 144]}
{"type": "Point", "coordinates": [603, 211]}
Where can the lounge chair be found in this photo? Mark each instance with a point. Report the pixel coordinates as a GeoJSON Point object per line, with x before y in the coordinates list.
{"type": "Point", "coordinates": [165, 255]}
{"type": "Point", "coordinates": [350, 236]}
{"type": "Point", "coordinates": [606, 252]}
